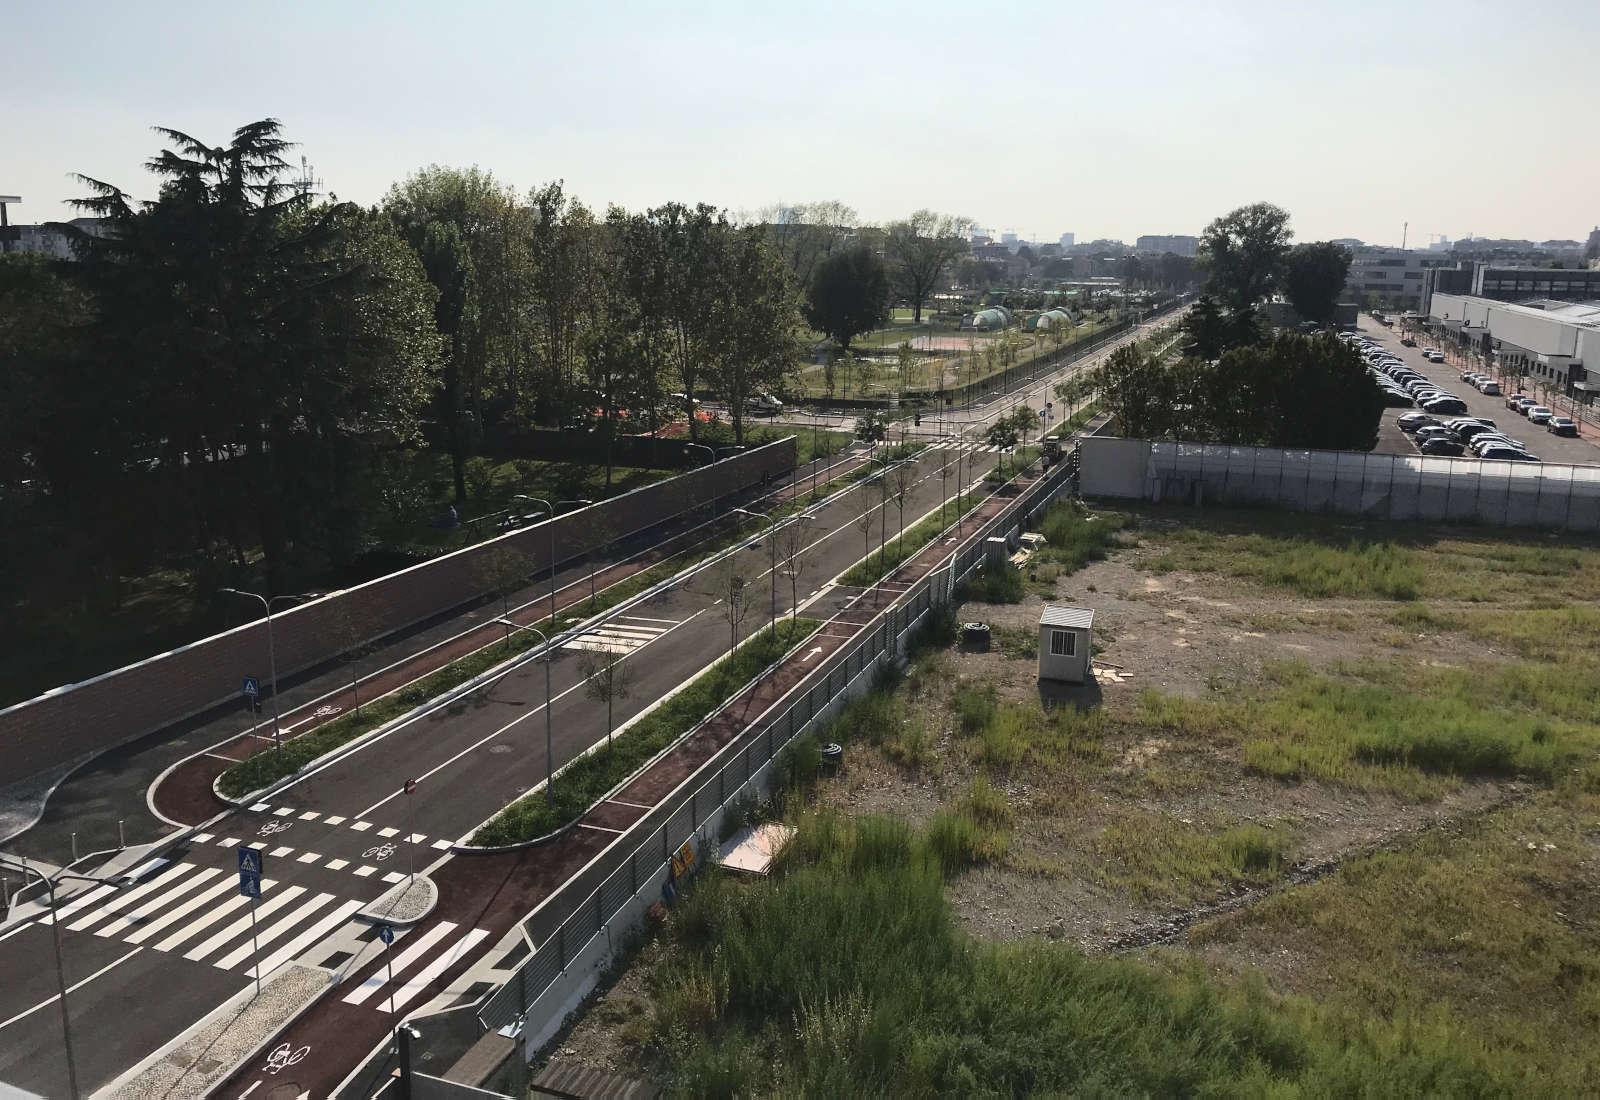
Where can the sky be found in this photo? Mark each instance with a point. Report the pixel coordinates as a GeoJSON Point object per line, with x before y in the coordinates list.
{"type": "Point", "coordinates": [1104, 120]}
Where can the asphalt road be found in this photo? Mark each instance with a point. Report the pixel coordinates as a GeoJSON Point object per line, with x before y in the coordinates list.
{"type": "Point", "coordinates": [177, 943]}
{"type": "Point", "coordinates": [1447, 376]}
{"type": "Point", "coordinates": [344, 834]}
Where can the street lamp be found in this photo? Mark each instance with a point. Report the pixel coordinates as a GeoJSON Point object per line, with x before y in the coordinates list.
{"type": "Point", "coordinates": [272, 656]}
{"type": "Point", "coordinates": [713, 454]}
{"type": "Point", "coordinates": [61, 977]}
{"type": "Point", "coordinates": [550, 510]}
{"type": "Point", "coordinates": [549, 765]}
{"type": "Point", "coordinates": [772, 549]}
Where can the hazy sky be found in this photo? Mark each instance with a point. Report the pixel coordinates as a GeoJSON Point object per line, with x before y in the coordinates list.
{"type": "Point", "coordinates": [1108, 120]}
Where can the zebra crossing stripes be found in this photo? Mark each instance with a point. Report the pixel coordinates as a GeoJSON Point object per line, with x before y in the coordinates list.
{"type": "Point", "coordinates": [622, 634]}
{"type": "Point", "coordinates": [411, 955]}
{"type": "Point", "coordinates": [406, 976]}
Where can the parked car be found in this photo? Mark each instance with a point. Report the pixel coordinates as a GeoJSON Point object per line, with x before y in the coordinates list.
{"type": "Point", "coordinates": [1468, 376]}
{"type": "Point", "coordinates": [1495, 439]}
{"type": "Point", "coordinates": [1410, 422]}
{"type": "Point", "coordinates": [1539, 414]}
{"type": "Point", "coordinates": [1512, 400]}
{"type": "Point", "coordinates": [1435, 431]}
{"type": "Point", "coordinates": [1561, 425]}
{"type": "Point", "coordinates": [1447, 405]}
{"type": "Point", "coordinates": [1408, 341]}
{"type": "Point", "coordinates": [1436, 357]}
{"type": "Point", "coordinates": [1507, 454]}
{"type": "Point", "coordinates": [1490, 387]}
{"type": "Point", "coordinates": [1470, 432]}
{"type": "Point", "coordinates": [1439, 445]}
{"type": "Point", "coordinates": [1396, 399]}
{"type": "Point", "coordinates": [1427, 353]}
{"type": "Point", "coordinates": [1523, 403]}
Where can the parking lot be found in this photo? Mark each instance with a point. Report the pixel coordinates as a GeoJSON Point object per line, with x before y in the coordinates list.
{"type": "Point", "coordinates": [1447, 376]}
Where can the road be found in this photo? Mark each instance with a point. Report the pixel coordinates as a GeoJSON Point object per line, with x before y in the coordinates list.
{"type": "Point", "coordinates": [1447, 375]}
{"type": "Point", "coordinates": [344, 833]}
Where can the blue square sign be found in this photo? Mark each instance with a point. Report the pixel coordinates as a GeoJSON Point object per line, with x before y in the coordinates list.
{"type": "Point", "coordinates": [252, 687]}
{"type": "Point", "coordinates": [250, 864]}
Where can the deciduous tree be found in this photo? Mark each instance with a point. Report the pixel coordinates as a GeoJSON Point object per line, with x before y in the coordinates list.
{"type": "Point", "coordinates": [1242, 253]}
{"type": "Point", "coordinates": [922, 247]}
{"type": "Point", "coordinates": [848, 295]}
{"type": "Point", "coordinates": [1314, 277]}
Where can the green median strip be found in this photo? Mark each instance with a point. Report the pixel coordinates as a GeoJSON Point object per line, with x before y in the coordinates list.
{"type": "Point", "coordinates": [581, 784]}
{"type": "Point", "coordinates": [870, 569]}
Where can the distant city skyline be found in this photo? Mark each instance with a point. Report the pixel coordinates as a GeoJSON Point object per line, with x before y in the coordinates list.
{"type": "Point", "coordinates": [1244, 102]}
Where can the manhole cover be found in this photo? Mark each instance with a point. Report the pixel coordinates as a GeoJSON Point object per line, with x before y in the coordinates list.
{"type": "Point", "coordinates": [499, 750]}
{"type": "Point", "coordinates": [290, 1091]}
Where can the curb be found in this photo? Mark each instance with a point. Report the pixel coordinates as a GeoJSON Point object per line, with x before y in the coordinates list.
{"type": "Point", "coordinates": [373, 913]}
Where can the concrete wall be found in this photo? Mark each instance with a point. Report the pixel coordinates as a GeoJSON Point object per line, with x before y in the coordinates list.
{"type": "Point", "coordinates": [1378, 486]}
{"type": "Point", "coordinates": [76, 721]}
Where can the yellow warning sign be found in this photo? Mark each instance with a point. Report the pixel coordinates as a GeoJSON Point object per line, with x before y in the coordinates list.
{"type": "Point", "coordinates": [683, 859]}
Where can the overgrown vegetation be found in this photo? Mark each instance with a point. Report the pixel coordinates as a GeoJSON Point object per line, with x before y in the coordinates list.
{"type": "Point", "coordinates": [845, 975]}
{"type": "Point", "coordinates": [580, 784]}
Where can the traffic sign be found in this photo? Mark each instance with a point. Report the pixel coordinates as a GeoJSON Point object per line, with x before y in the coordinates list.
{"type": "Point", "coordinates": [250, 864]}
{"type": "Point", "coordinates": [252, 687]}
{"type": "Point", "coordinates": [385, 933]}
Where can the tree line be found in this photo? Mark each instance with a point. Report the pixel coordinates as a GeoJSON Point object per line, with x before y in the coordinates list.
{"type": "Point", "coordinates": [1236, 381]}
{"type": "Point", "coordinates": [222, 377]}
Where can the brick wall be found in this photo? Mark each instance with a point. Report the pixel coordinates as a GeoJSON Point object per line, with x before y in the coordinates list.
{"type": "Point", "coordinates": [116, 707]}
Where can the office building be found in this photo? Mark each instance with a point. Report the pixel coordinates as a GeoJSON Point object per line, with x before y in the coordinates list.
{"type": "Point", "coordinates": [1389, 278]}
{"type": "Point", "coordinates": [1511, 284]}
{"type": "Point", "coordinates": [1067, 239]}
{"type": "Point", "coordinates": [1549, 341]}
{"type": "Point", "coordinates": [1183, 246]}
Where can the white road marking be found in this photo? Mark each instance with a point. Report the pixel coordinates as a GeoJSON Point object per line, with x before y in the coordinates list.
{"type": "Point", "coordinates": [227, 842]}
{"type": "Point", "coordinates": [334, 819]}
{"type": "Point", "coordinates": [338, 864]}
{"type": "Point", "coordinates": [243, 924]}
{"type": "Point", "coordinates": [311, 935]}
{"type": "Point", "coordinates": [70, 989]}
{"type": "Point", "coordinates": [386, 831]}
{"type": "Point", "coordinates": [283, 811]}
{"type": "Point", "coordinates": [308, 857]}
{"type": "Point", "coordinates": [205, 897]}
{"type": "Point", "coordinates": [412, 954]}
{"type": "Point", "coordinates": [362, 826]}
{"type": "Point", "coordinates": [280, 851]}
{"type": "Point", "coordinates": [310, 815]}
{"type": "Point", "coordinates": [393, 877]}
{"type": "Point", "coordinates": [206, 920]}
{"type": "Point", "coordinates": [412, 989]}
{"type": "Point", "coordinates": [284, 924]}
{"type": "Point", "coordinates": [133, 916]}
{"type": "Point", "coordinates": [129, 897]}
{"type": "Point", "coordinates": [363, 871]}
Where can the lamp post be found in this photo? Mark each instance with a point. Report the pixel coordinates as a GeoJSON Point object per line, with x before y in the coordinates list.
{"type": "Point", "coordinates": [772, 551]}
{"type": "Point", "coordinates": [549, 761]}
{"type": "Point", "coordinates": [272, 656]}
{"type": "Point", "coordinates": [713, 462]}
{"type": "Point", "coordinates": [550, 510]}
{"type": "Point", "coordinates": [61, 976]}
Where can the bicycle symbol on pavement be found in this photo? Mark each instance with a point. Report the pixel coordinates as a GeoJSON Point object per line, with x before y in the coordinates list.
{"type": "Point", "coordinates": [282, 1058]}
{"type": "Point", "coordinates": [274, 827]}
{"type": "Point", "coordinates": [380, 854]}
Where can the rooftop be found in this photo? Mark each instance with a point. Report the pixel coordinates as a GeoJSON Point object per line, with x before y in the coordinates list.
{"type": "Point", "coordinates": [1076, 618]}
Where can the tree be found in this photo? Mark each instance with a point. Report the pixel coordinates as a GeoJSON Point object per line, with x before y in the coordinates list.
{"type": "Point", "coordinates": [1137, 391]}
{"type": "Point", "coordinates": [922, 247]}
{"type": "Point", "coordinates": [606, 679]}
{"type": "Point", "coordinates": [1026, 419]}
{"type": "Point", "coordinates": [1242, 253]}
{"type": "Point", "coordinates": [730, 585]}
{"type": "Point", "coordinates": [503, 570]}
{"type": "Point", "coordinates": [848, 295]}
{"type": "Point", "coordinates": [806, 234]}
{"type": "Point", "coordinates": [757, 334]}
{"type": "Point", "coordinates": [1314, 277]}
{"type": "Point", "coordinates": [872, 426]}
{"type": "Point", "coordinates": [792, 540]}
{"type": "Point", "coordinates": [282, 333]}
{"type": "Point", "coordinates": [686, 283]}
{"type": "Point", "coordinates": [899, 480]}
{"type": "Point", "coordinates": [1002, 434]}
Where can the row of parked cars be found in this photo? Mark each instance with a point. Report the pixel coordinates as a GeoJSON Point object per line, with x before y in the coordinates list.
{"type": "Point", "coordinates": [1403, 387]}
{"type": "Point", "coordinates": [1475, 435]}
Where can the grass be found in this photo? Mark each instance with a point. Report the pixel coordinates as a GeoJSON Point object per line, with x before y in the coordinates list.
{"type": "Point", "coordinates": [1075, 421]}
{"type": "Point", "coordinates": [1158, 858]}
{"type": "Point", "coordinates": [845, 974]}
{"type": "Point", "coordinates": [1075, 536]}
{"type": "Point", "coordinates": [580, 784]}
{"type": "Point", "coordinates": [1417, 731]}
{"type": "Point", "coordinates": [1001, 584]}
{"type": "Point", "coordinates": [1493, 917]}
{"type": "Point", "coordinates": [900, 548]}
{"type": "Point", "coordinates": [1308, 566]}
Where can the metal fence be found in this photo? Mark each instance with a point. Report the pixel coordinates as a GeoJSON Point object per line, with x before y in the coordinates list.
{"type": "Point", "coordinates": [745, 767]}
{"type": "Point", "coordinates": [1381, 486]}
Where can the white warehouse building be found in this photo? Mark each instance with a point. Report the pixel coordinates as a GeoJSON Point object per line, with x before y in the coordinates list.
{"type": "Point", "coordinates": [1551, 341]}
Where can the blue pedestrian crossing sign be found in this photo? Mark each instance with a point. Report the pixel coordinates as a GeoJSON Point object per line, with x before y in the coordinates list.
{"type": "Point", "coordinates": [252, 687]}
{"type": "Point", "coordinates": [250, 872]}
{"type": "Point", "coordinates": [385, 933]}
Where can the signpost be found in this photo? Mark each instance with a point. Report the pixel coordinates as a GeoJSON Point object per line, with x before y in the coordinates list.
{"type": "Point", "coordinates": [411, 833]}
{"type": "Point", "coordinates": [386, 934]}
{"type": "Point", "coordinates": [250, 865]}
{"type": "Point", "coordinates": [252, 688]}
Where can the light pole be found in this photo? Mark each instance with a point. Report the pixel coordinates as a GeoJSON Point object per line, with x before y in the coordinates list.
{"type": "Point", "coordinates": [713, 454]}
{"type": "Point", "coordinates": [550, 510]}
{"type": "Point", "coordinates": [61, 976]}
{"type": "Point", "coordinates": [772, 550]}
{"type": "Point", "coordinates": [549, 765]}
{"type": "Point", "coordinates": [272, 656]}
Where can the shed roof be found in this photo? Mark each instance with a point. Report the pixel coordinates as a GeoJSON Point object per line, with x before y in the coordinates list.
{"type": "Point", "coordinates": [1077, 618]}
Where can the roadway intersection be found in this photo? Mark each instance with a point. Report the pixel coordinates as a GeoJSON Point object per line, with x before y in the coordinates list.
{"type": "Point", "coordinates": [177, 942]}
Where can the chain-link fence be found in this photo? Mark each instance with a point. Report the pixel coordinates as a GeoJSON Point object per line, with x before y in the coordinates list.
{"type": "Point", "coordinates": [535, 999]}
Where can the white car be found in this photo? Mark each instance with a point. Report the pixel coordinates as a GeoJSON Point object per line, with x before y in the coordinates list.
{"type": "Point", "coordinates": [1436, 357]}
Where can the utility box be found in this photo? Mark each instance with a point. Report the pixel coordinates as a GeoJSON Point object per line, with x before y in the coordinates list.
{"type": "Point", "coordinates": [996, 551]}
{"type": "Point", "coordinates": [1065, 635]}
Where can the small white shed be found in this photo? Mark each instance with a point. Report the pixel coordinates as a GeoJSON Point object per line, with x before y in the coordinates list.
{"type": "Point", "coordinates": [1065, 634]}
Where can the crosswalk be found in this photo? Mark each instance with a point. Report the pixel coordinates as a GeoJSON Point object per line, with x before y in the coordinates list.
{"type": "Point", "coordinates": [622, 634]}
{"type": "Point", "coordinates": [197, 912]}
{"type": "Point", "coordinates": [385, 844]}
{"type": "Point", "coordinates": [967, 447]}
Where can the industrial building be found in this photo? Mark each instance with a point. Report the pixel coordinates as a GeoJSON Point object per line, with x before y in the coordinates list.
{"type": "Point", "coordinates": [1511, 284]}
{"type": "Point", "coordinates": [1550, 341]}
